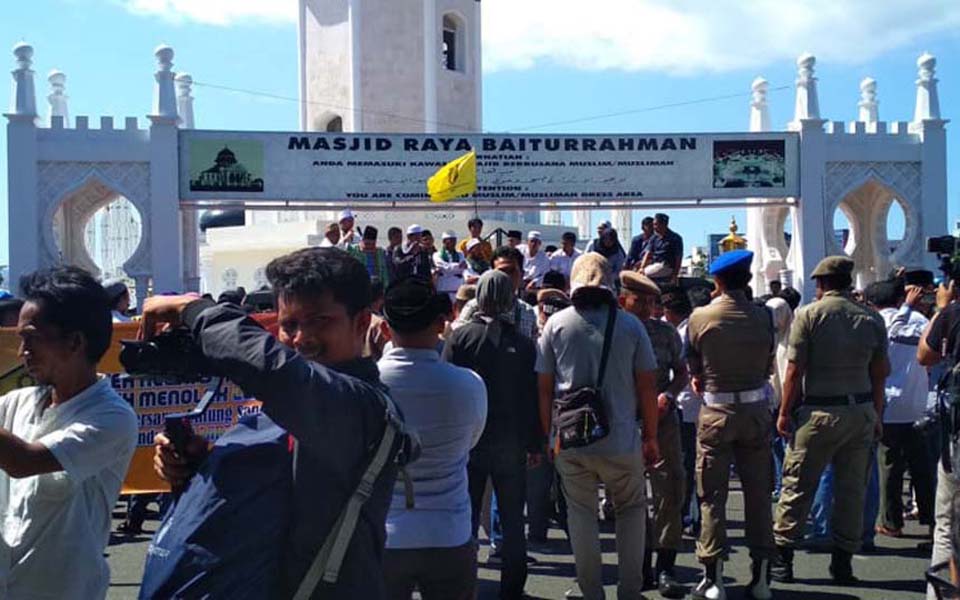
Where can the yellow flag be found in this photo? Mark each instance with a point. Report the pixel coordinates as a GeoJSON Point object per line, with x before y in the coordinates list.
{"type": "Point", "coordinates": [455, 179]}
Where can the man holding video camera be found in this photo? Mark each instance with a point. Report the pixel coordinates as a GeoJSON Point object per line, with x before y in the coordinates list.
{"type": "Point", "coordinates": [261, 502]}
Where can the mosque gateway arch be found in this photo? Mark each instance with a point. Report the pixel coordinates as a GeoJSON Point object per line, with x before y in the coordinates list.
{"type": "Point", "coordinates": [60, 171]}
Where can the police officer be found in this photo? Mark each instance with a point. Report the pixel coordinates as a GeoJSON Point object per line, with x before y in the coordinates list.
{"type": "Point", "coordinates": [638, 295]}
{"type": "Point", "coordinates": [729, 346]}
{"type": "Point", "coordinates": [838, 350]}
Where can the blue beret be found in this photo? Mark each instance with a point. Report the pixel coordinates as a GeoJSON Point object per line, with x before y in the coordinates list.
{"type": "Point", "coordinates": [731, 260]}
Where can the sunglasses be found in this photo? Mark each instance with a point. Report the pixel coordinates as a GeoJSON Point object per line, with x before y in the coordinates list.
{"type": "Point", "coordinates": [938, 576]}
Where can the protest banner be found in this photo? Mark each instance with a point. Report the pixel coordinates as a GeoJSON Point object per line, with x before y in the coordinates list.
{"type": "Point", "coordinates": [151, 399]}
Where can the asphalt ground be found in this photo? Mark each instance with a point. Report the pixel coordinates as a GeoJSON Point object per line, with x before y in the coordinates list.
{"type": "Point", "coordinates": [894, 571]}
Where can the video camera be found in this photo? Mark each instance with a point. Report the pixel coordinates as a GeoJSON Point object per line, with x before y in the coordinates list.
{"type": "Point", "coordinates": [947, 249]}
{"type": "Point", "coordinates": [173, 356]}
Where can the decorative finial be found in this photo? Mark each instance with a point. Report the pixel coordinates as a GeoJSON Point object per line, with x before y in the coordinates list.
{"type": "Point", "coordinates": [184, 84]}
{"type": "Point", "coordinates": [868, 100]}
{"type": "Point", "coordinates": [164, 97]}
{"type": "Point", "coordinates": [759, 114]}
{"type": "Point", "coordinates": [58, 95]}
{"type": "Point", "coordinates": [732, 241]}
{"type": "Point", "coordinates": [928, 99]}
{"type": "Point", "coordinates": [23, 103]}
{"type": "Point", "coordinates": [808, 103]}
{"type": "Point", "coordinates": [164, 56]}
{"type": "Point", "coordinates": [24, 53]}
{"type": "Point", "coordinates": [185, 100]}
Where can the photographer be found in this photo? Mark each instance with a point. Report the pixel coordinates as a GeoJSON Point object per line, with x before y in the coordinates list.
{"type": "Point", "coordinates": [65, 444]}
{"type": "Point", "coordinates": [262, 502]}
{"type": "Point", "coordinates": [941, 341]}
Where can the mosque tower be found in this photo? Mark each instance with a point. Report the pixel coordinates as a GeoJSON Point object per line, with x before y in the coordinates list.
{"type": "Point", "coordinates": [388, 66]}
{"type": "Point", "coordinates": [394, 67]}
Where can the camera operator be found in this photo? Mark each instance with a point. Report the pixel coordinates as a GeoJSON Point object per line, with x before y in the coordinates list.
{"type": "Point", "coordinates": [65, 444]}
{"type": "Point", "coordinates": [941, 341]}
{"type": "Point", "coordinates": [314, 385]}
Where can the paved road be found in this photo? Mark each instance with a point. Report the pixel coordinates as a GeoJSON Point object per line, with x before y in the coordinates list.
{"type": "Point", "coordinates": [893, 572]}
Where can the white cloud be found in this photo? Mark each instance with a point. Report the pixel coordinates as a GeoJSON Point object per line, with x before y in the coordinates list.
{"type": "Point", "coordinates": [217, 12]}
{"type": "Point", "coordinates": [688, 36]}
{"type": "Point", "coordinates": [673, 36]}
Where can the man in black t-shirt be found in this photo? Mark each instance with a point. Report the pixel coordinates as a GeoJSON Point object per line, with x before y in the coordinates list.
{"type": "Point", "coordinates": [940, 342]}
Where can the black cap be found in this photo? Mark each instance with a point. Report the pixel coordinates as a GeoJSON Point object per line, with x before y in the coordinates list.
{"type": "Point", "coordinates": [370, 233]}
{"type": "Point", "coordinates": [515, 233]}
{"type": "Point", "coordinates": [411, 304]}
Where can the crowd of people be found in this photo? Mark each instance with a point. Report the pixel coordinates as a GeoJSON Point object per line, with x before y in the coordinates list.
{"type": "Point", "coordinates": [414, 395]}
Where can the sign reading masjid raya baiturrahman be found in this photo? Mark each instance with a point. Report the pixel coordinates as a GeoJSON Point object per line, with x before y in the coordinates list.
{"type": "Point", "coordinates": [328, 167]}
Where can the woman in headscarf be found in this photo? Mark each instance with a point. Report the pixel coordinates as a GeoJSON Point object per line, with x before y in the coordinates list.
{"type": "Point", "coordinates": [610, 248]}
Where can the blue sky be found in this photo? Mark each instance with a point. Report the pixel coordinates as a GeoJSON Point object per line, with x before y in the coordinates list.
{"type": "Point", "coordinates": [545, 61]}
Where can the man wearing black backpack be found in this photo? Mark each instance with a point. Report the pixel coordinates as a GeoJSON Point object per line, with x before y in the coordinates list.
{"type": "Point", "coordinates": [260, 506]}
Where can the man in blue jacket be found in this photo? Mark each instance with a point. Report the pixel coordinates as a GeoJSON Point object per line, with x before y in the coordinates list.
{"type": "Point", "coordinates": [324, 415]}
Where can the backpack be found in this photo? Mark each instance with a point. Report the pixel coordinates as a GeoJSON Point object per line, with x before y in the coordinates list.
{"type": "Point", "coordinates": [200, 552]}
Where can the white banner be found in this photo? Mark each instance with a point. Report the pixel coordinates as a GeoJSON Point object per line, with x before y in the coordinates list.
{"type": "Point", "coordinates": [358, 168]}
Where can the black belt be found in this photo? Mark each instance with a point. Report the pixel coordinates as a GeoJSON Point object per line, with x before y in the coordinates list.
{"type": "Point", "coordinates": [845, 400]}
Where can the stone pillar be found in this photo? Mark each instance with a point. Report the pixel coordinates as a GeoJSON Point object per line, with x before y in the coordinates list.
{"type": "Point", "coordinates": [759, 121]}
{"type": "Point", "coordinates": [810, 226]}
{"type": "Point", "coordinates": [807, 105]}
{"type": "Point", "coordinates": [166, 240]}
{"type": "Point", "coordinates": [581, 220]}
{"type": "Point", "coordinates": [622, 222]}
{"type": "Point", "coordinates": [868, 104]}
{"type": "Point", "coordinates": [23, 215]}
{"type": "Point", "coordinates": [188, 217]}
{"type": "Point", "coordinates": [58, 98]}
{"type": "Point", "coordinates": [928, 100]}
{"type": "Point", "coordinates": [933, 153]}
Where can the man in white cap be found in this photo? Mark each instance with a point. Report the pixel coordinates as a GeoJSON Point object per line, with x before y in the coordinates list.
{"type": "Point", "coordinates": [410, 260]}
{"type": "Point", "coordinates": [476, 264]}
{"type": "Point", "coordinates": [449, 265]}
{"type": "Point", "coordinates": [348, 235]}
{"type": "Point", "coordinates": [535, 263]}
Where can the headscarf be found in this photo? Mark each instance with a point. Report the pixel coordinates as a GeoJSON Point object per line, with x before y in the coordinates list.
{"type": "Point", "coordinates": [495, 300]}
{"type": "Point", "coordinates": [603, 249]}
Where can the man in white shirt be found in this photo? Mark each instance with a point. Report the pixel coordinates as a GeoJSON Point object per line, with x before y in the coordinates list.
{"type": "Point", "coordinates": [349, 236]}
{"type": "Point", "coordinates": [331, 237]}
{"type": "Point", "coordinates": [65, 445]}
{"type": "Point", "coordinates": [562, 260]}
{"type": "Point", "coordinates": [449, 266]}
{"type": "Point", "coordinates": [902, 447]}
{"type": "Point", "coordinates": [535, 263]}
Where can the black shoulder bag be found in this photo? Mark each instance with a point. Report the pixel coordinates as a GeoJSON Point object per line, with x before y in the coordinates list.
{"type": "Point", "coordinates": [579, 414]}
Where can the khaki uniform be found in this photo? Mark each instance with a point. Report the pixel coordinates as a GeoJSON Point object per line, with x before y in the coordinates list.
{"type": "Point", "coordinates": [835, 340]}
{"type": "Point", "coordinates": [730, 348]}
{"type": "Point", "coordinates": [667, 478]}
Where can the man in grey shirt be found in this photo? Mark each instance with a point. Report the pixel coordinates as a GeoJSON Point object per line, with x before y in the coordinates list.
{"type": "Point", "coordinates": [570, 353]}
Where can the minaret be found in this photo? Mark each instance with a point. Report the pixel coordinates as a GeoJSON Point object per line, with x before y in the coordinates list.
{"type": "Point", "coordinates": [188, 217]}
{"type": "Point", "coordinates": [759, 113]}
{"type": "Point", "coordinates": [164, 97]}
{"type": "Point", "coordinates": [58, 98]}
{"type": "Point", "coordinates": [23, 100]}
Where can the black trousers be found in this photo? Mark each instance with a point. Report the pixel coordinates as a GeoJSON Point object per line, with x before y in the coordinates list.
{"type": "Point", "coordinates": [439, 573]}
{"type": "Point", "coordinates": [507, 467]}
{"type": "Point", "coordinates": [904, 448]}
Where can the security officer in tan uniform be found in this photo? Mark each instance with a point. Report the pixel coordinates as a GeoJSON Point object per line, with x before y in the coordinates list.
{"type": "Point", "coordinates": [729, 347]}
{"type": "Point", "coordinates": [838, 351]}
{"type": "Point", "coordinates": [638, 295]}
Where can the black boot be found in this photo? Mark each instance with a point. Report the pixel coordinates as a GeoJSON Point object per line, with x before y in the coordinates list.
{"type": "Point", "coordinates": [781, 569]}
{"type": "Point", "coordinates": [667, 584]}
{"type": "Point", "coordinates": [711, 586]}
{"type": "Point", "coordinates": [841, 568]}
{"type": "Point", "coordinates": [759, 586]}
